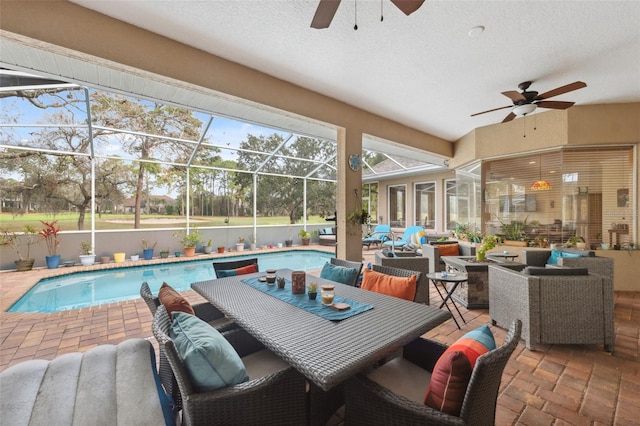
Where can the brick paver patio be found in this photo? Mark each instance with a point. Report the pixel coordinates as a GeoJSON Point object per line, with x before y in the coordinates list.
{"type": "Point", "coordinates": [557, 385]}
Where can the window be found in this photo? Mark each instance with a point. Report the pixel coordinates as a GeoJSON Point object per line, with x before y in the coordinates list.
{"type": "Point", "coordinates": [397, 206]}
{"type": "Point", "coordinates": [452, 214]}
{"type": "Point", "coordinates": [425, 204]}
{"type": "Point", "coordinates": [370, 200]}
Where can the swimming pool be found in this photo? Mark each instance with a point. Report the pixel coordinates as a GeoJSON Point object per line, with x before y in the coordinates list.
{"type": "Point", "coordinates": [84, 289]}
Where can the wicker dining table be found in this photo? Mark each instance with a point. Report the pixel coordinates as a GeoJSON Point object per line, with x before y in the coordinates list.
{"type": "Point", "coordinates": [326, 352]}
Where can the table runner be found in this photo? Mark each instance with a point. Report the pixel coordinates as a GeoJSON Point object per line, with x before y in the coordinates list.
{"type": "Point", "coordinates": [302, 301]}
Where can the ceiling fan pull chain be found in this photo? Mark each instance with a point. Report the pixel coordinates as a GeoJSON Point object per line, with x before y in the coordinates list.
{"type": "Point", "coordinates": [524, 126]}
{"type": "Point", "coordinates": [381, 12]}
{"type": "Point", "coordinates": [355, 27]}
{"type": "Point", "coordinates": [534, 123]}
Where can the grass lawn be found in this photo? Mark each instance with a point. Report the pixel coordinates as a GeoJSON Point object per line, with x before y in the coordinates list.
{"type": "Point", "coordinates": [69, 221]}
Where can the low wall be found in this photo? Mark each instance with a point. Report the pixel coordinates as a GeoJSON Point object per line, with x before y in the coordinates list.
{"type": "Point", "coordinates": [129, 241]}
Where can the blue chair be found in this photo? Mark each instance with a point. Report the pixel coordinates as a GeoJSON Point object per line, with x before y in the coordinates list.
{"type": "Point", "coordinates": [406, 237]}
{"type": "Point", "coordinates": [379, 235]}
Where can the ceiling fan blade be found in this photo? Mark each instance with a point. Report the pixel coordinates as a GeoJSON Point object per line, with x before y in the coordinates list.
{"type": "Point", "coordinates": [491, 110]}
{"type": "Point", "coordinates": [554, 104]}
{"type": "Point", "coordinates": [408, 6]}
{"type": "Point", "coordinates": [324, 13]}
{"type": "Point", "coordinates": [509, 117]}
{"type": "Point", "coordinates": [514, 96]}
{"type": "Point", "coordinates": [561, 90]}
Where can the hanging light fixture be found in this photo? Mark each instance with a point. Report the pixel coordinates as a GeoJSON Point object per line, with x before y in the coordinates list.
{"type": "Point", "coordinates": [540, 184]}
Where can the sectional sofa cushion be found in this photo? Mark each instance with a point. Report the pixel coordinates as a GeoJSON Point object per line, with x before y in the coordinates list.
{"type": "Point", "coordinates": [539, 270]}
{"type": "Point", "coordinates": [209, 358]}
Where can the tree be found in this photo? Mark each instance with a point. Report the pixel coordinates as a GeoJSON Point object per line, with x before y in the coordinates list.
{"type": "Point", "coordinates": [283, 195]}
{"type": "Point", "coordinates": [154, 132]}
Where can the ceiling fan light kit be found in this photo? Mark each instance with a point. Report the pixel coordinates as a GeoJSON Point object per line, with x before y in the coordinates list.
{"type": "Point", "coordinates": [525, 109]}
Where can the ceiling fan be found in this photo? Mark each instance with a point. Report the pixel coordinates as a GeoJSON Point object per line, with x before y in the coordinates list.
{"type": "Point", "coordinates": [526, 102]}
{"type": "Point", "coordinates": [327, 9]}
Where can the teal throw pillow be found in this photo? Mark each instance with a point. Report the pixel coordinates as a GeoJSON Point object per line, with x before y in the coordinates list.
{"type": "Point", "coordinates": [556, 254]}
{"type": "Point", "coordinates": [209, 358]}
{"type": "Point", "coordinates": [340, 274]}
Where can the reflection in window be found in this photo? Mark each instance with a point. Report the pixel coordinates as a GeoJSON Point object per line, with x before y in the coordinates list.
{"type": "Point", "coordinates": [425, 202]}
{"type": "Point", "coordinates": [397, 206]}
{"type": "Point", "coordinates": [451, 204]}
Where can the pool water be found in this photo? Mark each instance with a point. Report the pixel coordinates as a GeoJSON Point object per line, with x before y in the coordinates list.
{"type": "Point", "coordinates": [84, 289]}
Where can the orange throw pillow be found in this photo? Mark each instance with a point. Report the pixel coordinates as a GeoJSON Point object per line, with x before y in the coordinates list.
{"type": "Point", "coordinates": [401, 287]}
{"type": "Point", "coordinates": [173, 301]}
{"type": "Point", "coordinates": [448, 249]}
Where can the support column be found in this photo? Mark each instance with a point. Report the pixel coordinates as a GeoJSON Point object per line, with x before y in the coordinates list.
{"type": "Point", "coordinates": [349, 197]}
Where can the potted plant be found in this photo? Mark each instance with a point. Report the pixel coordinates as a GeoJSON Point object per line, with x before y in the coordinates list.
{"type": "Point", "coordinates": [312, 290]}
{"type": "Point", "coordinates": [513, 232]}
{"type": "Point", "coordinates": [50, 236]}
{"type": "Point", "coordinates": [208, 248]}
{"type": "Point", "coordinates": [358, 217]}
{"type": "Point", "coordinates": [305, 237]}
{"type": "Point", "coordinates": [147, 249]}
{"type": "Point", "coordinates": [240, 244]}
{"type": "Point", "coordinates": [164, 253]}
{"type": "Point", "coordinates": [289, 242]}
{"type": "Point", "coordinates": [87, 257]}
{"type": "Point", "coordinates": [488, 242]}
{"type": "Point", "coordinates": [221, 249]}
{"type": "Point", "coordinates": [281, 282]}
{"type": "Point", "coordinates": [135, 257]}
{"type": "Point", "coordinates": [188, 240]}
{"type": "Point", "coordinates": [13, 239]}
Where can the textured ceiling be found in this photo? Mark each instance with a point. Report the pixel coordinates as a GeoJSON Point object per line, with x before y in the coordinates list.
{"type": "Point", "coordinates": [423, 70]}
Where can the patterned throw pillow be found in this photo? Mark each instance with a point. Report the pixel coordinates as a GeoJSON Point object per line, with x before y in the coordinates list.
{"type": "Point", "coordinates": [249, 269]}
{"type": "Point", "coordinates": [209, 358]}
{"type": "Point", "coordinates": [173, 301]}
{"type": "Point", "coordinates": [452, 371]}
{"type": "Point", "coordinates": [401, 287]}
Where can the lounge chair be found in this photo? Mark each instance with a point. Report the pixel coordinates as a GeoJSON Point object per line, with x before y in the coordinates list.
{"type": "Point", "coordinates": [379, 235]}
{"type": "Point", "coordinates": [405, 239]}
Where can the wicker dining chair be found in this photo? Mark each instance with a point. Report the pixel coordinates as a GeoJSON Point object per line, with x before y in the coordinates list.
{"type": "Point", "coordinates": [206, 312]}
{"type": "Point", "coordinates": [348, 264]}
{"type": "Point", "coordinates": [274, 394]}
{"type": "Point", "coordinates": [398, 272]}
{"type": "Point", "coordinates": [234, 264]}
{"type": "Point", "coordinates": [370, 403]}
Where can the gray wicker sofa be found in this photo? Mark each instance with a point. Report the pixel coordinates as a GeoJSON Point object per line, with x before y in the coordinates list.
{"type": "Point", "coordinates": [107, 385]}
{"type": "Point", "coordinates": [554, 309]}
{"type": "Point", "coordinates": [595, 264]}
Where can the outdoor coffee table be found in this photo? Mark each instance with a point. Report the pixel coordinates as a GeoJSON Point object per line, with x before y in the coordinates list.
{"type": "Point", "coordinates": [326, 352]}
{"type": "Point", "coordinates": [455, 279]}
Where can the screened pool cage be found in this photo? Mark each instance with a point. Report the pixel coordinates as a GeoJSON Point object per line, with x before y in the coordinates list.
{"type": "Point", "coordinates": [102, 161]}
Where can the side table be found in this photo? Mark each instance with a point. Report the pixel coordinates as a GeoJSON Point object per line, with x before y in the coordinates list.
{"type": "Point", "coordinates": [437, 278]}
